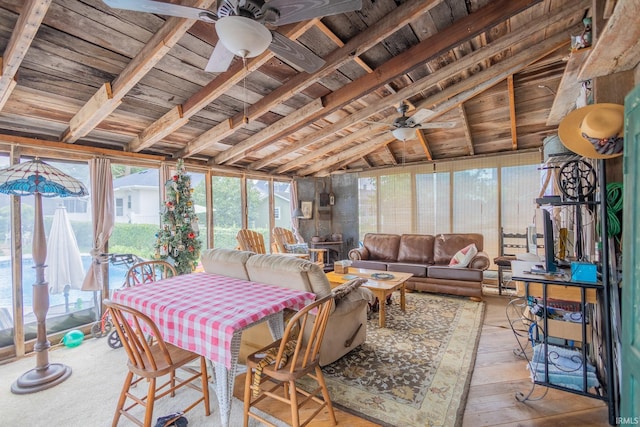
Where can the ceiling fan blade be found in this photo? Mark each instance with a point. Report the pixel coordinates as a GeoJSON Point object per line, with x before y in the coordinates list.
{"type": "Point", "coordinates": [437, 125]}
{"type": "Point", "coordinates": [420, 116]}
{"type": "Point", "coordinates": [220, 59]}
{"type": "Point", "coordinates": [302, 10]}
{"type": "Point", "coordinates": [161, 8]}
{"type": "Point", "coordinates": [294, 53]}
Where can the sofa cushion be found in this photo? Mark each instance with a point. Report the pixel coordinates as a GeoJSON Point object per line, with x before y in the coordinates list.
{"type": "Point", "coordinates": [371, 265]}
{"type": "Point", "coordinates": [416, 249]}
{"type": "Point", "coordinates": [297, 248]}
{"type": "Point", "coordinates": [227, 262]}
{"type": "Point", "coordinates": [444, 272]}
{"type": "Point", "coordinates": [463, 257]}
{"type": "Point", "coordinates": [382, 247]}
{"type": "Point", "coordinates": [418, 270]}
{"type": "Point", "coordinates": [288, 272]}
{"type": "Point", "coordinates": [445, 246]}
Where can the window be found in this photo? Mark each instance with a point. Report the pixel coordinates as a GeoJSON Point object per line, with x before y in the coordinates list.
{"type": "Point", "coordinates": [258, 208]}
{"type": "Point", "coordinates": [475, 196]}
{"type": "Point", "coordinates": [227, 210]}
{"type": "Point", "coordinates": [119, 207]}
{"type": "Point", "coordinates": [276, 213]}
{"type": "Point", "coordinates": [135, 229]}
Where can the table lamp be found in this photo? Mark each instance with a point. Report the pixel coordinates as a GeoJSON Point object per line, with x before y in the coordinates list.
{"type": "Point", "coordinates": [40, 180]}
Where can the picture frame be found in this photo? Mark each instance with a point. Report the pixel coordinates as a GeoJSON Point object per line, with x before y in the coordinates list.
{"type": "Point", "coordinates": [307, 209]}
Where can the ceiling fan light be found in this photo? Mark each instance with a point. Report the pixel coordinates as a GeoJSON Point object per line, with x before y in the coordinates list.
{"type": "Point", "coordinates": [404, 134]}
{"type": "Point", "coordinates": [243, 36]}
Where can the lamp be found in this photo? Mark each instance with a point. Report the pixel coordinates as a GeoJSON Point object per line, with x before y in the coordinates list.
{"type": "Point", "coordinates": [243, 36]}
{"type": "Point", "coordinates": [404, 134]}
{"type": "Point", "coordinates": [41, 180]}
{"type": "Point", "coordinates": [297, 213]}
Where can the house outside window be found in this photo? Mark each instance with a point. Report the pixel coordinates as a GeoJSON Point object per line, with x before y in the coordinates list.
{"type": "Point", "coordinates": [276, 213]}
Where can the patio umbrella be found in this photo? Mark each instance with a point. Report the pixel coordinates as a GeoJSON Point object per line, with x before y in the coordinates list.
{"type": "Point", "coordinates": [64, 263]}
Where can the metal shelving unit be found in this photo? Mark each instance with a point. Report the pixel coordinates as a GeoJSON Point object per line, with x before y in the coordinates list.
{"type": "Point", "coordinates": [536, 332]}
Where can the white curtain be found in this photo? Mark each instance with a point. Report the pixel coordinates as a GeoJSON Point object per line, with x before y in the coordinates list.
{"type": "Point", "coordinates": [103, 219]}
{"type": "Point", "coordinates": [295, 222]}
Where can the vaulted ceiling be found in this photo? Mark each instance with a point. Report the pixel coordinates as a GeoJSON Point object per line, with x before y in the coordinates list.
{"type": "Point", "coordinates": [77, 72]}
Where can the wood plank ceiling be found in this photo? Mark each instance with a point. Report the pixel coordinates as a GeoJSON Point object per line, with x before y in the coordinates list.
{"type": "Point", "coordinates": [78, 72]}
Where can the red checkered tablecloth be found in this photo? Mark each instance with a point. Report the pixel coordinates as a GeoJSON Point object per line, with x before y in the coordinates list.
{"type": "Point", "coordinates": [200, 312]}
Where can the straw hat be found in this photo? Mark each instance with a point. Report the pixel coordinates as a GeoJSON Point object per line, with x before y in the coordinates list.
{"type": "Point", "coordinates": [594, 131]}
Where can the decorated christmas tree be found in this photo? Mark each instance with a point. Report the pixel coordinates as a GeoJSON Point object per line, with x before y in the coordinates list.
{"type": "Point", "coordinates": [177, 240]}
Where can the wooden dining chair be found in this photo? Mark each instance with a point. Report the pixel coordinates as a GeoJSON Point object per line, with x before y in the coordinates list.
{"type": "Point", "coordinates": [150, 362]}
{"type": "Point", "coordinates": [273, 370]}
{"type": "Point", "coordinates": [250, 240]}
{"type": "Point", "coordinates": [149, 271]}
{"type": "Point", "coordinates": [283, 237]}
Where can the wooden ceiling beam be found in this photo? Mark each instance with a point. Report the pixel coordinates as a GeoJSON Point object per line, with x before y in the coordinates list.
{"type": "Point", "coordinates": [356, 151]}
{"type": "Point", "coordinates": [277, 130]}
{"type": "Point", "coordinates": [367, 131]}
{"type": "Point", "coordinates": [359, 44]}
{"type": "Point", "coordinates": [99, 107]}
{"type": "Point", "coordinates": [30, 19]}
{"type": "Point", "coordinates": [512, 113]}
{"type": "Point", "coordinates": [477, 83]}
{"type": "Point", "coordinates": [445, 72]}
{"type": "Point", "coordinates": [422, 138]}
{"type": "Point", "coordinates": [392, 158]}
{"type": "Point", "coordinates": [466, 129]}
{"type": "Point", "coordinates": [334, 38]}
{"type": "Point", "coordinates": [618, 45]}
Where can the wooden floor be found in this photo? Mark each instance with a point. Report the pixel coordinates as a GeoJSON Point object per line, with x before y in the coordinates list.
{"type": "Point", "coordinates": [497, 376]}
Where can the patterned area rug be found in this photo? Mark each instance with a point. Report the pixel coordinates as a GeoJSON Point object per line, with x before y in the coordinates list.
{"type": "Point", "coordinates": [416, 371]}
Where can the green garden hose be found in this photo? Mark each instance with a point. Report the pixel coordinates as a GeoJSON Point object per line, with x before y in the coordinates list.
{"type": "Point", "coordinates": [614, 206]}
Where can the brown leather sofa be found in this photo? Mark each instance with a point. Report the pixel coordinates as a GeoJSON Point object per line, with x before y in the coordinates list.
{"type": "Point", "coordinates": [427, 257]}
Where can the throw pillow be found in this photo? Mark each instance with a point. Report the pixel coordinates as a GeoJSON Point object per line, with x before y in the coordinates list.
{"type": "Point", "coordinates": [463, 257]}
{"type": "Point", "coordinates": [297, 248]}
{"type": "Point", "coordinates": [340, 292]}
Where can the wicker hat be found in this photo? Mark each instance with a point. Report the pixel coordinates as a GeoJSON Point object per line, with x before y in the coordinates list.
{"type": "Point", "coordinates": [594, 131]}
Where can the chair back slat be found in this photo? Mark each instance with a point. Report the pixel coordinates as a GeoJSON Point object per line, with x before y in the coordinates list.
{"type": "Point", "coordinates": [281, 237]}
{"type": "Point", "coordinates": [149, 271]}
{"type": "Point", "coordinates": [133, 328]}
{"type": "Point", "coordinates": [307, 351]}
{"type": "Point", "coordinates": [250, 240]}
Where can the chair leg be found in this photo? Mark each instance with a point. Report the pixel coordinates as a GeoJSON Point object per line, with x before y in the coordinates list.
{"type": "Point", "coordinates": [247, 396]}
{"type": "Point", "coordinates": [151, 397]}
{"type": "Point", "coordinates": [325, 395]}
{"type": "Point", "coordinates": [293, 401]}
{"type": "Point", "coordinates": [122, 399]}
{"type": "Point", "coordinates": [205, 385]}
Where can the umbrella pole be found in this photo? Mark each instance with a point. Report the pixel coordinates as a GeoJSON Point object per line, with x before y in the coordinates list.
{"type": "Point", "coordinates": [44, 375]}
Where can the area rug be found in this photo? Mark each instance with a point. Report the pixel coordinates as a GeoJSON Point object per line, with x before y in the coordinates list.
{"type": "Point", "coordinates": [416, 371]}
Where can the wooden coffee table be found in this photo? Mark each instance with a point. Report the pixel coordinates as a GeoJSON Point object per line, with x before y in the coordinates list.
{"type": "Point", "coordinates": [380, 288]}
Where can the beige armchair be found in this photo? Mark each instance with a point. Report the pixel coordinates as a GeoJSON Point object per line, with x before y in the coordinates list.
{"type": "Point", "coordinates": [284, 238]}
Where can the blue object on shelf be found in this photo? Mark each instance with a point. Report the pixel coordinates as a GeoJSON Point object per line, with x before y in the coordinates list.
{"type": "Point", "coordinates": [584, 272]}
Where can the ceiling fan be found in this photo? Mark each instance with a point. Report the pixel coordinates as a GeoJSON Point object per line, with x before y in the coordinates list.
{"type": "Point", "coordinates": [246, 27]}
{"type": "Point", "coordinates": [403, 127]}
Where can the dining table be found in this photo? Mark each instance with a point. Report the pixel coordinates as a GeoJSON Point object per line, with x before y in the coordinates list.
{"type": "Point", "coordinates": [206, 313]}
